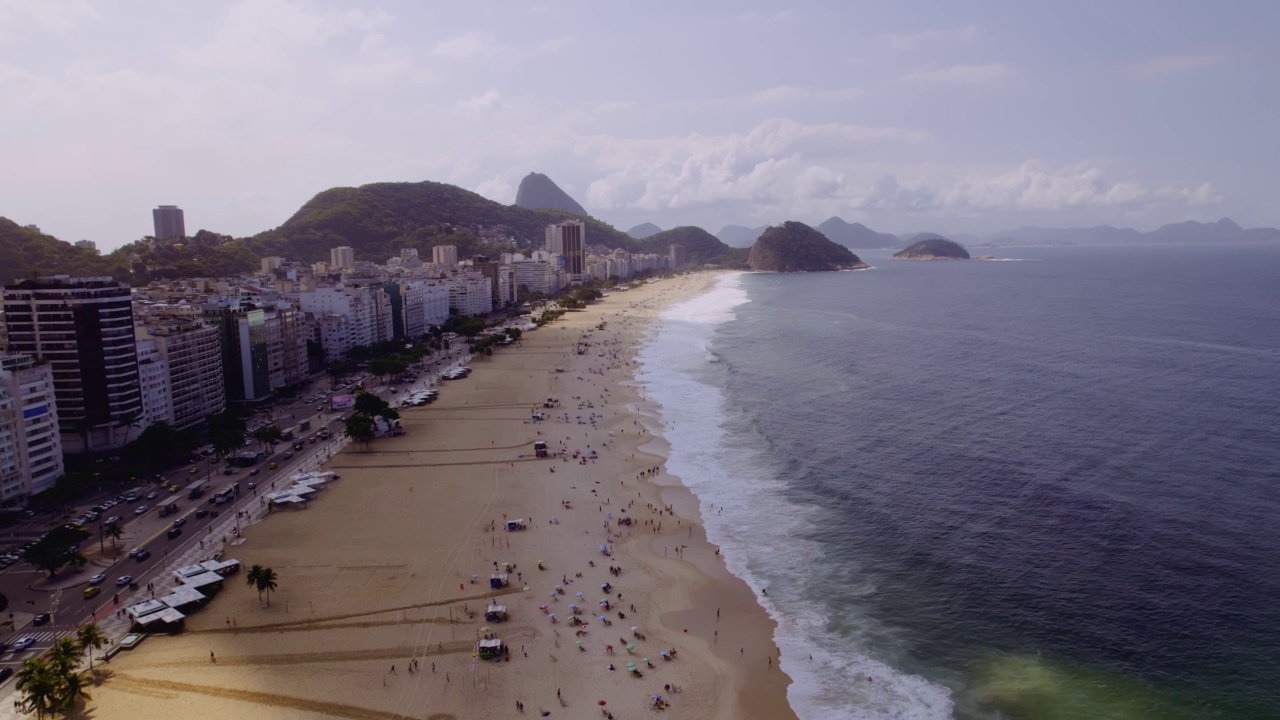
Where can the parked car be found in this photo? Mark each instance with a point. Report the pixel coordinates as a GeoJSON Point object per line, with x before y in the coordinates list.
{"type": "Point", "coordinates": [97, 579]}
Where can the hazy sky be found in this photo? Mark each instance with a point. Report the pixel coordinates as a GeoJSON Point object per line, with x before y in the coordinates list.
{"type": "Point", "coordinates": [908, 115]}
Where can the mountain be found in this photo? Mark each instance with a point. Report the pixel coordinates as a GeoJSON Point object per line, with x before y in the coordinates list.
{"type": "Point", "coordinates": [856, 235]}
{"type": "Point", "coordinates": [644, 230]}
{"type": "Point", "coordinates": [538, 192]}
{"type": "Point", "coordinates": [740, 236]}
{"type": "Point", "coordinates": [381, 218]}
{"type": "Point", "coordinates": [700, 246]}
{"type": "Point", "coordinates": [927, 246]}
{"type": "Point", "coordinates": [796, 247]}
{"type": "Point", "coordinates": [28, 253]}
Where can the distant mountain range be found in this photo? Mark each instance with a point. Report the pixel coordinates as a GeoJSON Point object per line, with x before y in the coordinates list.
{"type": "Point", "coordinates": [380, 219]}
{"type": "Point", "coordinates": [644, 230]}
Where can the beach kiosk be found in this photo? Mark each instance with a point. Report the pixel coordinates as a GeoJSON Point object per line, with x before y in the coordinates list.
{"type": "Point", "coordinates": [496, 613]}
{"type": "Point", "coordinates": [491, 649]}
{"type": "Point", "coordinates": [517, 524]}
{"type": "Point", "coordinates": [540, 448]}
{"type": "Point", "coordinates": [497, 581]}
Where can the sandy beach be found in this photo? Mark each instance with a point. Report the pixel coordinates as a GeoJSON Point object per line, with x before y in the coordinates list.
{"type": "Point", "coordinates": [384, 577]}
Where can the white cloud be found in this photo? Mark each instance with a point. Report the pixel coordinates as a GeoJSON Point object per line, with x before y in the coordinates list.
{"type": "Point", "coordinates": [465, 46]}
{"type": "Point", "coordinates": [911, 41]}
{"type": "Point", "coordinates": [260, 36]}
{"type": "Point", "coordinates": [488, 103]}
{"type": "Point", "coordinates": [757, 16]}
{"type": "Point", "coordinates": [1173, 64]}
{"type": "Point", "coordinates": [56, 17]}
{"type": "Point", "coordinates": [961, 74]}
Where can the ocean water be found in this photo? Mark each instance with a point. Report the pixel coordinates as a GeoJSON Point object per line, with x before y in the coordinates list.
{"type": "Point", "coordinates": [1036, 489]}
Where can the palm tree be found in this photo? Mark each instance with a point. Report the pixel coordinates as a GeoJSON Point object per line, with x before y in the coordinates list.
{"type": "Point", "coordinates": [254, 577]}
{"type": "Point", "coordinates": [90, 637]}
{"type": "Point", "coordinates": [267, 581]}
{"type": "Point", "coordinates": [65, 656]}
{"type": "Point", "coordinates": [73, 689]}
{"type": "Point", "coordinates": [113, 531]}
{"type": "Point", "coordinates": [39, 685]}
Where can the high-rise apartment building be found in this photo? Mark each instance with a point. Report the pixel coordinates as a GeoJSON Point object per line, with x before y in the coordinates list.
{"type": "Point", "coordinates": [286, 346]}
{"type": "Point", "coordinates": [569, 239]}
{"type": "Point", "coordinates": [342, 257]}
{"type": "Point", "coordinates": [349, 316]}
{"type": "Point", "coordinates": [444, 255]}
{"type": "Point", "coordinates": [678, 256]}
{"type": "Point", "coordinates": [193, 357]}
{"type": "Point", "coordinates": [83, 327]}
{"type": "Point", "coordinates": [153, 380]}
{"type": "Point", "coordinates": [169, 222]}
{"type": "Point", "coordinates": [242, 331]}
{"type": "Point", "coordinates": [30, 445]}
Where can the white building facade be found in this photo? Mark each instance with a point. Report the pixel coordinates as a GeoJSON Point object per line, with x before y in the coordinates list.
{"type": "Point", "coordinates": [30, 444]}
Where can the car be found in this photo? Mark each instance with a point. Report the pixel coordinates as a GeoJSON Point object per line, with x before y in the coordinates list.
{"type": "Point", "coordinates": [202, 513]}
{"type": "Point", "coordinates": [141, 509]}
{"type": "Point", "coordinates": [272, 465]}
{"type": "Point", "coordinates": [153, 495]}
{"type": "Point", "coordinates": [41, 619]}
{"type": "Point", "coordinates": [312, 439]}
{"type": "Point", "coordinates": [97, 508]}
{"type": "Point", "coordinates": [131, 497]}
{"type": "Point", "coordinates": [252, 485]}
{"type": "Point", "coordinates": [23, 643]}
{"type": "Point", "coordinates": [92, 516]}
{"type": "Point", "coordinates": [142, 555]}
{"type": "Point", "coordinates": [124, 580]}
{"type": "Point", "coordinates": [255, 471]}
{"type": "Point", "coordinates": [174, 532]}
{"type": "Point", "coordinates": [180, 522]}
{"type": "Point", "coordinates": [91, 592]}
{"type": "Point", "coordinates": [229, 471]}
{"type": "Point", "coordinates": [194, 471]}
{"type": "Point", "coordinates": [113, 520]}
{"type": "Point", "coordinates": [97, 579]}
{"type": "Point", "coordinates": [5, 673]}
{"type": "Point", "coordinates": [288, 455]}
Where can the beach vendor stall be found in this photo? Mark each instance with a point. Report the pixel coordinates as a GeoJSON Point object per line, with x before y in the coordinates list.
{"type": "Point", "coordinates": [495, 613]}
{"type": "Point", "coordinates": [491, 649]}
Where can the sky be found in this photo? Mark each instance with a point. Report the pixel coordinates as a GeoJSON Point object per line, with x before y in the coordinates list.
{"type": "Point", "coordinates": [966, 117]}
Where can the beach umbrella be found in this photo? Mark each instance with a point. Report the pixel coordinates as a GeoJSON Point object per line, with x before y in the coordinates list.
{"type": "Point", "coordinates": [635, 629]}
{"type": "Point", "coordinates": [601, 702]}
{"type": "Point", "coordinates": [484, 629]}
{"type": "Point", "coordinates": [559, 588]}
{"type": "Point", "coordinates": [665, 654]}
{"type": "Point", "coordinates": [579, 643]}
{"type": "Point", "coordinates": [604, 618]}
{"type": "Point", "coordinates": [553, 596]}
{"type": "Point", "coordinates": [604, 600]}
{"type": "Point", "coordinates": [603, 548]}
{"type": "Point", "coordinates": [579, 594]}
{"type": "Point", "coordinates": [551, 615]}
{"type": "Point", "coordinates": [631, 666]}
{"type": "Point", "coordinates": [572, 606]}
{"type": "Point", "coordinates": [646, 661]}
{"type": "Point", "coordinates": [630, 646]}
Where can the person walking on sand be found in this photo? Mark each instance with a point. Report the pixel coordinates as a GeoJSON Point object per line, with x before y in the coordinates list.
{"type": "Point", "coordinates": [212, 659]}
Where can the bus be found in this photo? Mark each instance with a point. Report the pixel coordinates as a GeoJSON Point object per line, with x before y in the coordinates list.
{"type": "Point", "coordinates": [197, 489]}
{"type": "Point", "coordinates": [226, 495]}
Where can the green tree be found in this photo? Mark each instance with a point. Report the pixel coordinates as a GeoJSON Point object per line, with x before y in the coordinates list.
{"type": "Point", "coordinates": [263, 579]}
{"type": "Point", "coordinates": [268, 436]}
{"type": "Point", "coordinates": [38, 684]}
{"type": "Point", "coordinates": [90, 637]}
{"type": "Point", "coordinates": [55, 551]}
{"type": "Point", "coordinates": [227, 432]}
{"type": "Point", "coordinates": [113, 531]}
{"type": "Point", "coordinates": [370, 404]}
{"type": "Point", "coordinates": [361, 428]}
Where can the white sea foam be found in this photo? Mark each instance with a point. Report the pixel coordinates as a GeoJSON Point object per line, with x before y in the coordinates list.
{"type": "Point", "coordinates": [761, 534]}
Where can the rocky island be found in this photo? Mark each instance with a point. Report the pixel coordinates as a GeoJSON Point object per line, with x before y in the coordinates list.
{"type": "Point", "coordinates": [796, 247]}
{"type": "Point", "coordinates": [932, 247]}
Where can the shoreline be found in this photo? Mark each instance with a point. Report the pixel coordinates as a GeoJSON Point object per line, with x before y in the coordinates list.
{"type": "Point", "coordinates": [368, 570]}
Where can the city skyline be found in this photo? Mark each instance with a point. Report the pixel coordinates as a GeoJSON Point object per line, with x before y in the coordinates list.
{"type": "Point", "coordinates": [924, 116]}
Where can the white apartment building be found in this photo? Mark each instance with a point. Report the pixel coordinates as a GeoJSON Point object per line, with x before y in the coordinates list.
{"type": "Point", "coordinates": [470, 294]}
{"type": "Point", "coordinates": [342, 257]}
{"type": "Point", "coordinates": [444, 255]}
{"type": "Point", "coordinates": [193, 356]}
{"type": "Point", "coordinates": [365, 312]}
{"type": "Point", "coordinates": [435, 303]}
{"type": "Point", "coordinates": [153, 380]}
{"type": "Point", "coordinates": [271, 264]}
{"type": "Point", "coordinates": [537, 275]}
{"type": "Point", "coordinates": [287, 333]}
{"type": "Point", "coordinates": [30, 445]}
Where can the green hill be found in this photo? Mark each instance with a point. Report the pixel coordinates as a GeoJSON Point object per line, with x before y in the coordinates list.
{"type": "Point", "coordinates": [701, 247]}
{"type": "Point", "coordinates": [927, 246]}
{"type": "Point", "coordinates": [796, 247]}
{"type": "Point", "coordinates": [380, 219]}
{"type": "Point", "coordinates": [28, 253]}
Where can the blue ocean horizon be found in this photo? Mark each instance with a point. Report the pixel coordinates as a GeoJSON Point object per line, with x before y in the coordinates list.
{"type": "Point", "coordinates": [1041, 488]}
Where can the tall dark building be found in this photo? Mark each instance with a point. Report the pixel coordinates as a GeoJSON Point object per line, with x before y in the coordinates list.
{"type": "Point", "coordinates": [169, 222]}
{"type": "Point", "coordinates": [83, 327]}
{"type": "Point", "coordinates": [569, 239]}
